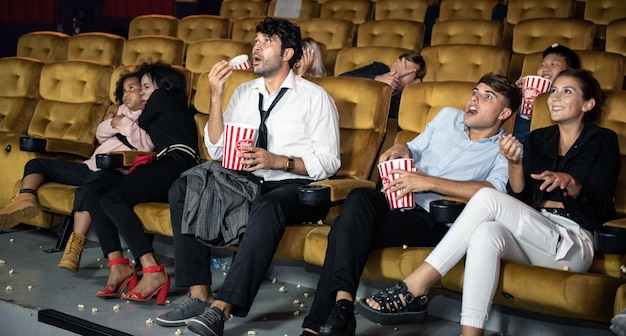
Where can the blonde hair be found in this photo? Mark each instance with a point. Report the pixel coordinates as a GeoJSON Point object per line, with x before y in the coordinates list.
{"type": "Point", "coordinates": [317, 66]}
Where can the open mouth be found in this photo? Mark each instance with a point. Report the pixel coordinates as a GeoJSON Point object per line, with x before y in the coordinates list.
{"type": "Point", "coordinates": [471, 110]}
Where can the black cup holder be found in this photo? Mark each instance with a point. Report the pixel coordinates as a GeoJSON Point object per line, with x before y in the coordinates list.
{"type": "Point", "coordinates": [109, 160]}
{"type": "Point", "coordinates": [314, 195]}
{"type": "Point", "coordinates": [445, 211]}
{"type": "Point", "coordinates": [610, 239]}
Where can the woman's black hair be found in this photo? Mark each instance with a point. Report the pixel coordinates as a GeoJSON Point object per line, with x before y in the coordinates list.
{"type": "Point", "coordinates": [590, 88]}
{"type": "Point", "coordinates": [119, 85]}
{"type": "Point", "coordinates": [165, 77]}
{"type": "Point", "coordinates": [288, 33]}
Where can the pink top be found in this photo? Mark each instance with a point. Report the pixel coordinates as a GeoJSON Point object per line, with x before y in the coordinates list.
{"type": "Point", "coordinates": [127, 127]}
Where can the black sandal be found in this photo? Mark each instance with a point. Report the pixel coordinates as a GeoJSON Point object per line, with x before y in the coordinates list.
{"type": "Point", "coordinates": [392, 309]}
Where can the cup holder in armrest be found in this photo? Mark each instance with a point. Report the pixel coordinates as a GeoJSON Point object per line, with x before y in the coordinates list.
{"type": "Point", "coordinates": [29, 144]}
{"type": "Point", "coordinates": [110, 160]}
{"type": "Point", "coordinates": [445, 211]}
{"type": "Point", "coordinates": [610, 239]}
{"type": "Point", "coordinates": [314, 195]}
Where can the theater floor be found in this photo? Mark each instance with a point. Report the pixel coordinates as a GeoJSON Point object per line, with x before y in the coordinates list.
{"type": "Point", "coordinates": [37, 298]}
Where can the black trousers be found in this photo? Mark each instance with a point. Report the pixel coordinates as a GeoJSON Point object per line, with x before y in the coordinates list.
{"type": "Point", "coordinates": [366, 223]}
{"type": "Point", "coordinates": [110, 197]}
{"type": "Point", "coordinates": [277, 207]}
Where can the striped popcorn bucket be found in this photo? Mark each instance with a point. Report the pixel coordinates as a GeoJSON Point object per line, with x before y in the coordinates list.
{"type": "Point", "coordinates": [240, 62]}
{"type": "Point", "coordinates": [384, 169]}
{"type": "Point", "coordinates": [235, 136]}
{"type": "Point", "coordinates": [533, 86]}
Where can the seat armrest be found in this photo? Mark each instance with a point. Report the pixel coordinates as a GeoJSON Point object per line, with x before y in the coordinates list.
{"type": "Point", "coordinates": [340, 188]}
{"type": "Point", "coordinates": [43, 145]}
{"type": "Point", "coordinates": [611, 237]}
{"type": "Point", "coordinates": [119, 159]}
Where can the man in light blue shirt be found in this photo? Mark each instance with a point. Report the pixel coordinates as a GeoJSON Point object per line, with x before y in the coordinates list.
{"type": "Point", "coordinates": [456, 155]}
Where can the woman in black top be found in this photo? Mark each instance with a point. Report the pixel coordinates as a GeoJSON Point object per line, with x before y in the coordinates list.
{"type": "Point", "coordinates": [110, 197]}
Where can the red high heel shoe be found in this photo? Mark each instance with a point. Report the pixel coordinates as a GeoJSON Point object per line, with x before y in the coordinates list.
{"type": "Point", "coordinates": [131, 281]}
{"type": "Point", "coordinates": [161, 290]}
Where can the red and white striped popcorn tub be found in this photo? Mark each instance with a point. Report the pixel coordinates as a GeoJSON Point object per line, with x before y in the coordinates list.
{"type": "Point", "coordinates": [384, 169]}
{"type": "Point", "coordinates": [237, 135]}
{"type": "Point", "coordinates": [533, 86]}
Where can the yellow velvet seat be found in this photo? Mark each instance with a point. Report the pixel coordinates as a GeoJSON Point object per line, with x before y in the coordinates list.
{"type": "Point", "coordinates": [335, 34]}
{"type": "Point", "coordinates": [309, 9]}
{"type": "Point", "coordinates": [74, 100]}
{"type": "Point", "coordinates": [153, 24]}
{"type": "Point", "coordinates": [391, 33]}
{"type": "Point", "coordinates": [601, 13]}
{"type": "Point", "coordinates": [464, 62]}
{"type": "Point", "coordinates": [199, 27]}
{"type": "Point", "coordinates": [462, 9]}
{"type": "Point", "coordinates": [244, 28]}
{"type": "Point", "coordinates": [47, 46]}
{"type": "Point", "coordinates": [414, 10]}
{"type": "Point", "coordinates": [349, 59]}
{"type": "Point", "coordinates": [357, 11]}
{"type": "Point", "coordinates": [153, 48]}
{"type": "Point", "coordinates": [616, 37]}
{"type": "Point", "coordinates": [606, 67]}
{"type": "Point", "coordinates": [99, 47]}
{"type": "Point", "coordinates": [235, 9]}
{"type": "Point", "coordinates": [520, 10]}
{"type": "Point", "coordinates": [467, 31]}
{"type": "Point", "coordinates": [19, 79]}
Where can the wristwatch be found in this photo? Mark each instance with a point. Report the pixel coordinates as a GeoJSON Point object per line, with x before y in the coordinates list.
{"type": "Point", "coordinates": [291, 164]}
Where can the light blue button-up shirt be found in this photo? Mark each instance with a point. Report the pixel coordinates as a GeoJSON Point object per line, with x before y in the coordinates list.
{"type": "Point", "coordinates": [445, 150]}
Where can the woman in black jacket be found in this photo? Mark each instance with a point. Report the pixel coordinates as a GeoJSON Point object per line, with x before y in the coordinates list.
{"type": "Point", "coordinates": [110, 197]}
{"type": "Point", "coordinates": [560, 190]}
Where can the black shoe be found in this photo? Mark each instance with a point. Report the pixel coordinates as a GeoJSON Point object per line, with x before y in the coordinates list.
{"type": "Point", "coordinates": [210, 323]}
{"type": "Point", "coordinates": [341, 321]}
{"type": "Point", "coordinates": [393, 309]}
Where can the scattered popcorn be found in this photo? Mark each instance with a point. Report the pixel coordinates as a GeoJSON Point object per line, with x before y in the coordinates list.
{"type": "Point", "coordinates": [281, 289]}
{"type": "Point", "coordinates": [101, 266]}
{"type": "Point", "coordinates": [133, 262]}
{"type": "Point", "coordinates": [98, 259]}
{"type": "Point", "coordinates": [306, 294]}
{"type": "Point", "coordinates": [178, 332]}
{"type": "Point", "coordinates": [621, 268]}
{"type": "Point", "coordinates": [149, 321]}
{"type": "Point", "coordinates": [11, 271]}
{"type": "Point", "coordinates": [404, 247]}
{"type": "Point", "coordinates": [566, 268]}
{"type": "Point", "coordinates": [298, 286]}
{"type": "Point", "coordinates": [2, 262]}
{"type": "Point", "coordinates": [357, 299]}
{"type": "Point", "coordinates": [81, 307]}
{"type": "Point", "coordinates": [395, 328]}
{"type": "Point", "coordinates": [302, 305]}
{"type": "Point", "coordinates": [116, 307]}
{"type": "Point", "coordinates": [40, 246]}
{"type": "Point", "coordinates": [9, 288]}
{"type": "Point", "coordinates": [30, 287]}
{"type": "Point", "coordinates": [11, 240]}
{"type": "Point", "coordinates": [320, 222]}
{"type": "Point", "coordinates": [224, 273]}
{"type": "Point", "coordinates": [274, 280]}
{"type": "Point", "coordinates": [251, 332]}
{"type": "Point", "coordinates": [296, 313]}
{"type": "Point", "coordinates": [296, 301]}
{"type": "Point", "coordinates": [94, 309]}
{"type": "Point", "coordinates": [128, 250]}
{"type": "Point", "coordinates": [167, 302]}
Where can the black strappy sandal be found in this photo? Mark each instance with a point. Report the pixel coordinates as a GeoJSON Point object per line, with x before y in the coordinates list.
{"type": "Point", "coordinates": [392, 309]}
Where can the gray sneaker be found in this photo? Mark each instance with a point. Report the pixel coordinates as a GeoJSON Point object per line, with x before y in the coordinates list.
{"type": "Point", "coordinates": [185, 310]}
{"type": "Point", "coordinates": [210, 323]}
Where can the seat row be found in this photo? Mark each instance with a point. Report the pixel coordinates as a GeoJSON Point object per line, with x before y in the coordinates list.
{"type": "Point", "coordinates": [71, 116]}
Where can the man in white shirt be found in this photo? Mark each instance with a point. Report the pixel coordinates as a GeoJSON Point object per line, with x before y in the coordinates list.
{"type": "Point", "coordinates": [301, 145]}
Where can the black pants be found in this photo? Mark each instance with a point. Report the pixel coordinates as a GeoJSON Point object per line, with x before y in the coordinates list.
{"type": "Point", "coordinates": [59, 171]}
{"type": "Point", "coordinates": [111, 196]}
{"type": "Point", "coordinates": [277, 207]}
{"type": "Point", "coordinates": [366, 223]}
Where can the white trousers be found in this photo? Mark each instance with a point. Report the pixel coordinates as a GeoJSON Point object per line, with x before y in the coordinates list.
{"type": "Point", "coordinates": [495, 226]}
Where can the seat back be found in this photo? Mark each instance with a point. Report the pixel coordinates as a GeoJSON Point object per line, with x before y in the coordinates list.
{"type": "Point", "coordinates": [421, 102]}
{"type": "Point", "coordinates": [616, 37]}
{"type": "Point", "coordinates": [99, 47]}
{"type": "Point", "coordinates": [203, 54]}
{"type": "Point", "coordinates": [75, 97]}
{"type": "Point", "coordinates": [520, 10]}
{"type": "Point", "coordinates": [363, 106]}
{"type": "Point", "coordinates": [463, 9]}
{"type": "Point", "coordinates": [244, 28]}
{"type": "Point", "coordinates": [308, 9]}
{"type": "Point", "coordinates": [613, 117]}
{"type": "Point", "coordinates": [335, 34]}
{"type": "Point", "coordinates": [391, 33]}
{"type": "Point", "coordinates": [601, 13]}
{"type": "Point", "coordinates": [19, 92]}
{"type": "Point", "coordinates": [198, 27]}
{"type": "Point", "coordinates": [349, 59]}
{"type": "Point", "coordinates": [233, 10]}
{"type": "Point", "coordinates": [153, 24]}
{"type": "Point", "coordinates": [357, 11]}
{"type": "Point", "coordinates": [606, 67]}
{"type": "Point", "coordinates": [414, 10]}
{"type": "Point", "coordinates": [153, 48]}
{"type": "Point", "coordinates": [467, 31]}
{"type": "Point", "coordinates": [202, 101]}
{"type": "Point", "coordinates": [534, 35]}
{"type": "Point", "coordinates": [47, 46]}
{"type": "Point", "coordinates": [445, 62]}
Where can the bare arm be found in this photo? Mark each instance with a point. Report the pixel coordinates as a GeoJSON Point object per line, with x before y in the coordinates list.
{"type": "Point", "coordinates": [511, 149]}
{"type": "Point", "coordinates": [218, 75]}
{"type": "Point", "coordinates": [419, 182]}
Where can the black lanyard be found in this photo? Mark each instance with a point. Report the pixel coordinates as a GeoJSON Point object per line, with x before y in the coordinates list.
{"type": "Point", "coordinates": [262, 138]}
